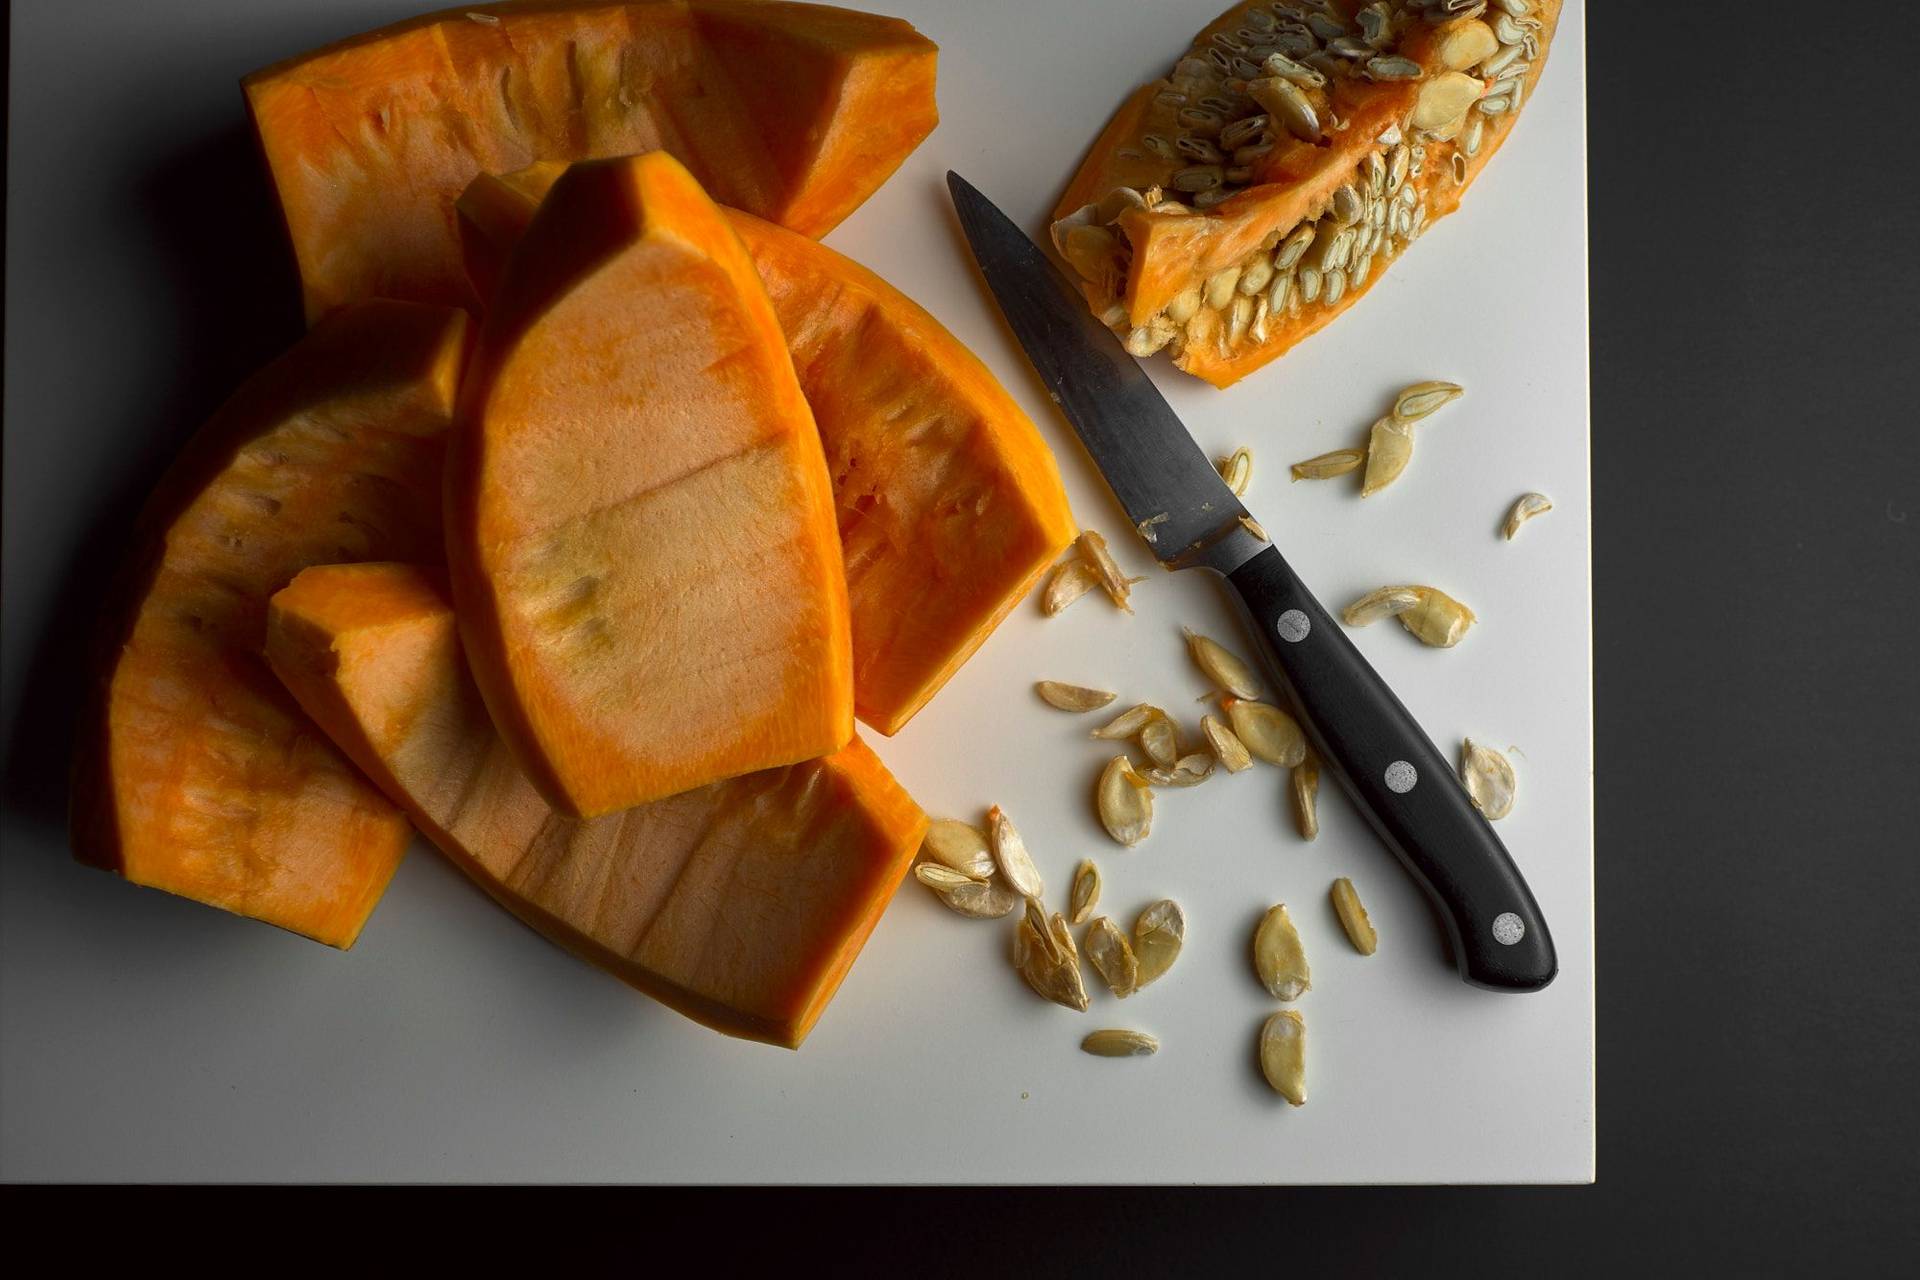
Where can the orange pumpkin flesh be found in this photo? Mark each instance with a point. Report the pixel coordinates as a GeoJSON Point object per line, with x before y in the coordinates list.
{"type": "Point", "coordinates": [640, 526]}
{"type": "Point", "coordinates": [1218, 277]}
{"type": "Point", "coordinates": [197, 774]}
{"type": "Point", "coordinates": [796, 112]}
{"type": "Point", "coordinates": [949, 502]}
{"type": "Point", "coordinates": [741, 904]}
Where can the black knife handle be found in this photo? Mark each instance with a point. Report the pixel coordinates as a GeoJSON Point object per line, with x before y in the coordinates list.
{"type": "Point", "coordinates": [1407, 791]}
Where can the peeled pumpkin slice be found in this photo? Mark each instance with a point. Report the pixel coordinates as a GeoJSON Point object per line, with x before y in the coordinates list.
{"type": "Point", "coordinates": [796, 112]}
{"type": "Point", "coordinates": [741, 904]}
{"type": "Point", "coordinates": [640, 525]}
{"type": "Point", "coordinates": [950, 505]}
{"type": "Point", "coordinates": [196, 771]}
{"type": "Point", "coordinates": [1295, 150]}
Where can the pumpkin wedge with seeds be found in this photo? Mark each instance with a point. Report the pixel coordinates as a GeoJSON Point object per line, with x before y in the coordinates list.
{"type": "Point", "coordinates": [1298, 147]}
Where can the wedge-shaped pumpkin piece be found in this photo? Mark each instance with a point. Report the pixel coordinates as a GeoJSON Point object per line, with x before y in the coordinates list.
{"type": "Point", "coordinates": [741, 904]}
{"type": "Point", "coordinates": [640, 522]}
{"type": "Point", "coordinates": [1294, 151]}
{"type": "Point", "coordinates": [949, 501]}
{"type": "Point", "coordinates": [796, 112]}
{"type": "Point", "coordinates": [196, 772]}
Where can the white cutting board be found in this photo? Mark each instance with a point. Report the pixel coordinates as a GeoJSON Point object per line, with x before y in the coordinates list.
{"type": "Point", "coordinates": [149, 1039]}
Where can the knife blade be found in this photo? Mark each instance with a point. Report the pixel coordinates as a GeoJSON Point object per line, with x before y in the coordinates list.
{"type": "Point", "coordinates": [1179, 504]}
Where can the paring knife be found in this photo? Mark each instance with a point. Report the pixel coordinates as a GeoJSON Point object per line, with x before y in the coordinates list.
{"type": "Point", "coordinates": [1190, 519]}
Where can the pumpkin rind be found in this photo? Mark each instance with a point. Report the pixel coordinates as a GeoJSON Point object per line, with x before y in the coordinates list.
{"type": "Point", "coordinates": [370, 139]}
{"type": "Point", "coordinates": [197, 774]}
{"type": "Point", "coordinates": [741, 905]}
{"type": "Point", "coordinates": [640, 526]}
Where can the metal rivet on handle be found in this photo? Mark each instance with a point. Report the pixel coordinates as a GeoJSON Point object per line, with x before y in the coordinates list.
{"type": "Point", "coordinates": [1293, 626]}
{"type": "Point", "coordinates": [1507, 929]}
{"type": "Point", "coordinates": [1400, 777]}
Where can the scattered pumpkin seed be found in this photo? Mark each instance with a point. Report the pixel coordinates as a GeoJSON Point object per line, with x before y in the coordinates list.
{"type": "Point", "coordinates": [1052, 975]}
{"type": "Point", "coordinates": [1128, 722]}
{"type": "Point", "coordinates": [1187, 771]}
{"type": "Point", "coordinates": [1329, 465]}
{"type": "Point", "coordinates": [1283, 1055]}
{"type": "Point", "coordinates": [1067, 583]}
{"type": "Point", "coordinates": [1389, 449]}
{"type": "Point", "coordinates": [1117, 1043]}
{"type": "Point", "coordinates": [1438, 619]}
{"type": "Point", "coordinates": [1221, 666]}
{"type": "Point", "coordinates": [1072, 697]}
{"type": "Point", "coordinates": [1011, 856]}
{"type": "Point", "coordinates": [1085, 894]}
{"type": "Point", "coordinates": [1306, 797]}
{"type": "Point", "coordinates": [1158, 935]}
{"type": "Point", "coordinates": [1267, 732]}
{"type": "Point", "coordinates": [1125, 802]}
{"type": "Point", "coordinates": [1116, 584]}
{"type": "Point", "coordinates": [1112, 957]}
{"type": "Point", "coordinates": [1488, 776]}
{"type": "Point", "coordinates": [1236, 470]}
{"type": "Point", "coordinates": [1160, 740]}
{"type": "Point", "coordinates": [1525, 508]}
{"type": "Point", "coordinates": [981, 899]}
{"type": "Point", "coordinates": [934, 875]}
{"type": "Point", "coordinates": [1227, 747]}
{"type": "Point", "coordinates": [1255, 528]}
{"type": "Point", "coordinates": [1279, 958]}
{"type": "Point", "coordinates": [1422, 398]}
{"type": "Point", "coordinates": [960, 846]}
{"type": "Point", "coordinates": [1353, 917]}
{"type": "Point", "coordinates": [1383, 602]}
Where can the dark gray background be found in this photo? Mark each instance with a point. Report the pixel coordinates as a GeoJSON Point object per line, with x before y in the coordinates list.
{"type": "Point", "coordinates": [1756, 411]}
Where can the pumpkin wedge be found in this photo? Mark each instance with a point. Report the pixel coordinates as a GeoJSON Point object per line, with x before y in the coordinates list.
{"type": "Point", "coordinates": [1297, 149]}
{"type": "Point", "coordinates": [740, 904]}
{"type": "Point", "coordinates": [796, 112]}
{"type": "Point", "coordinates": [197, 773]}
{"type": "Point", "coordinates": [640, 525]}
{"type": "Point", "coordinates": [950, 505]}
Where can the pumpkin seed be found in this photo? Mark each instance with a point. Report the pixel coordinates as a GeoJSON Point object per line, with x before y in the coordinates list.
{"type": "Point", "coordinates": [1114, 1043]}
{"type": "Point", "coordinates": [1353, 917]}
{"type": "Point", "coordinates": [1197, 178]}
{"type": "Point", "coordinates": [1221, 666]}
{"type": "Point", "coordinates": [1184, 305]}
{"type": "Point", "coordinates": [1267, 732]}
{"type": "Point", "coordinates": [1090, 251]}
{"type": "Point", "coordinates": [1389, 449]}
{"type": "Point", "coordinates": [1085, 893]}
{"type": "Point", "coordinates": [1242, 131]}
{"type": "Point", "coordinates": [1011, 856]}
{"type": "Point", "coordinates": [1311, 282]}
{"type": "Point", "coordinates": [1462, 45]}
{"type": "Point", "coordinates": [1093, 547]}
{"type": "Point", "coordinates": [1525, 508]}
{"type": "Point", "coordinates": [1279, 958]}
{"type": "Point", "coordinates": [1147, 340]}
{"type": "Point", "coordinates": [1376, 24]}
{"type": "Point", "coordinates": [1325, 25]}
{"type": "Point", "coordinates": [1128, 722]}
{"type": "Point", "coordinates": [1457, 169]}
{"type": "Point", "coordinates": [1112, 957]}
{"type": "Point", "coordinates": [1052, 975]}
{"type": "Point", "coordinates": [1508, 54]}
{"type": "Point", "coordinates": [1255, 277]}
{"type": "Point", "coordinates": [1218, 291]}
{"type": "Point", "coordinates": [1283, 1055]}
{"type": "Point", "coordinates": [959, 846]}
{"type": "Point", "coordinates": [980, 899]}
{"type": "Point", "coordinates": [1438, 619]}
{"type": "Point", "coordinates": [1329, 465]}
{"type": "Point", "coordinates": [1072, 697]}
{"type": "Point", "coordinates": [1187, 771]}
{"type": "Point", "coordinates": [1067, 583]}
{"type": "Point", "coordinates": [1422, 398]}
{"type": "Point", "coordinates": [1125, 802]}
{"type": "Point", "coordinates": [1279, 64]}
{"type": "Point", "coordinates": [1476, 133]}
{"type": "Point", "coordinates": [1306, 797]}
{"type": "Point", "coordinates": [1293, 246]}
{"type": "Point", "coordinates": [1284, 102]}
{"type": "Point", "coordinates": [1255, 528]}
{"type": "Point", "coordinates": [935, 875]}
{"type": "Point", "coordinates": [1443, 101]}
{"type": "Point", "coordinates": [1160, 740]}
{"type": "Point", "coordinates": [1236, 470]}
{"type": "Point", "coordinates": [1397, 169]}
{"type": "Point", "coordinates": [1353, 48]}
{"type": "Point", "coordinates": [1336, 286]}
{"type": "Point", "coordinates": [1158, 934]}
{"type": "Point", "coordinates": [1391, 66]}
{"type": "Point", "coordinates": [1226, 746]}
{"type": "Point", "coordinates": [1488, 776]}
{"type": "Point", "coordinates": [1518, 8]}
{"type": "Point", "coordinates": [1348, 206]}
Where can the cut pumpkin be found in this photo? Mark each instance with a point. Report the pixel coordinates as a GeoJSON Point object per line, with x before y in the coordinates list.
{"type": "Point", "coordinates": [741, 904]}
{"type": "Point", "coordinates": [1255, 193]}
{"type": "Point", "coordinates": [197, 774]}
{"type": "Point", "coordinates": [797, 112]}
{"type": "Point", "coordinates": [640, 526]}
{"type": "Point", "coordinates": [950, 505]}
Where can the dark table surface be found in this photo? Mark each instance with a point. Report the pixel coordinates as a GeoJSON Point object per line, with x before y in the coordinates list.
{"type": "Point", "coordinates": [1756, 413]}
